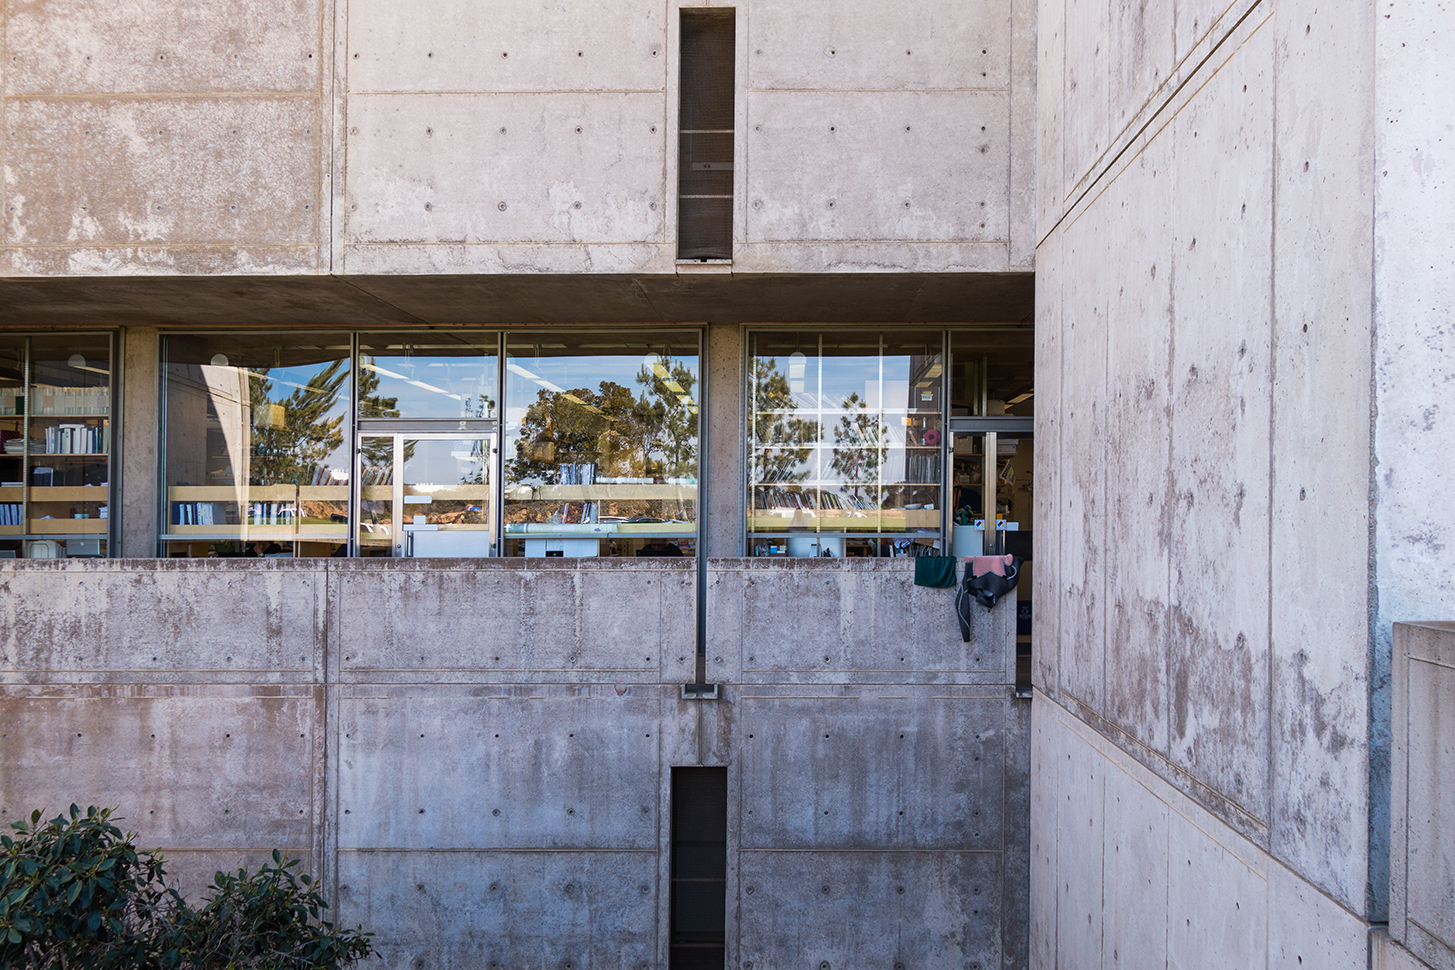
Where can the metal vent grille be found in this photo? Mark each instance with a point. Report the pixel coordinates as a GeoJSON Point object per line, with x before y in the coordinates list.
{"type": "Point", "coordinates": [705, 147]}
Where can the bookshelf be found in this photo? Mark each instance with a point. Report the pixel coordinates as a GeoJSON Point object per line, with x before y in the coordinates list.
{"type": "Point", "coordinates": [55, 445]}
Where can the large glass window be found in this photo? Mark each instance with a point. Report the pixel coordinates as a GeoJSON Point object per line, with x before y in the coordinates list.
{"type": "Point", "coordinates": [258, 431]}
{"type": "Point", "coordinates": [845, 442]}
{"type": "Point", "coordinates": [600, 440]}
{"type": "Point", "coordinates": [433, 374]}
{"type": "Point", "coordinates": [55, 445]}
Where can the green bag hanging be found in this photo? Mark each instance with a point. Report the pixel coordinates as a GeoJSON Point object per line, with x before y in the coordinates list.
{"type": "Point", "coordinates": [937, 572]}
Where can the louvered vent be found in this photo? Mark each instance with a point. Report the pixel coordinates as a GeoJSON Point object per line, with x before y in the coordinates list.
{"type": "Point", "coordinates": [705, 160]}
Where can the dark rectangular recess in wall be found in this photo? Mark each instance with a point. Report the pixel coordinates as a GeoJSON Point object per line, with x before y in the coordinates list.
{"type": "Point", "coordinates": [699, 868]}
{"type": "Point", "coordinates": [705, 123]}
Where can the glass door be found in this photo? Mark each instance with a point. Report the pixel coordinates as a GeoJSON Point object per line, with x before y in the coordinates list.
{"type": "Point", "coordinates": [425, 495]}
{"type": "Point", "coordinates": [984, 484]}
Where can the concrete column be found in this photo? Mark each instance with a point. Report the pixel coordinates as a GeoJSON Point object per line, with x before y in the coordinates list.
{"type": "Point", "coordinates": [722, 464]}
{"type": "Point", "coordinates": [138, 432]}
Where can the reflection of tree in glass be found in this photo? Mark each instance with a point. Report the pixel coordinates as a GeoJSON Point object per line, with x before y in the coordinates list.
{"type": "Point", "coordinates": [671, 419]}
{"type": "Point", "coordinates": [293, 435]}
{"type": "Point", "coordinates": [859, 446]}
{"type": "Point", "coordinates": [781, 442]}
{"type": "Point", "coordinates": [578, 427]}
{"type": "Point", "coordinates": [654, 435]}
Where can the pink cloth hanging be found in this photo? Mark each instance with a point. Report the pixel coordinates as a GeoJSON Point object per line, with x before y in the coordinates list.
{"type": "Point", "coordinates": [980, 565]}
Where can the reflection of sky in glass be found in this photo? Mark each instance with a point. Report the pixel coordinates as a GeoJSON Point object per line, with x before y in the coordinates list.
{"type": "Point", "coordinates": [433, 387]}
{"type": "Point", "coordinates": [447, 462]}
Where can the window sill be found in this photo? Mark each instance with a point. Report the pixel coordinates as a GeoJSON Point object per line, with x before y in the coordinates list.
{"type": "Point", "coordinates": [688, 266]}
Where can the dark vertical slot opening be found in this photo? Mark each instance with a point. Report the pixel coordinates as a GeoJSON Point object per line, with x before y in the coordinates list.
{"type": "Point", "coordinates": [699, 868]}
{"type": "Point", "coordinates": [705, 124]}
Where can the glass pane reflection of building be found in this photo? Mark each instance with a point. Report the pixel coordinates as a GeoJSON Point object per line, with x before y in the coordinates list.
{"type": "Point", "coordinates": [845, 442]}
{"type": "Point", "coordinates": [600, 444]}
{"type": "Point", "coordinates": [257, 444]}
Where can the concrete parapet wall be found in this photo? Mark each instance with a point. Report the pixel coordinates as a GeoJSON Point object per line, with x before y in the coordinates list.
{"type": "Point", "coordinates": [1422, 806]}
{"type": "Point", "coordinates": [476, 755]}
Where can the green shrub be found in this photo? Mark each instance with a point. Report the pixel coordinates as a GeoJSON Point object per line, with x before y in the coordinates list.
{"type": "Point", "coordinates": [75, 892]}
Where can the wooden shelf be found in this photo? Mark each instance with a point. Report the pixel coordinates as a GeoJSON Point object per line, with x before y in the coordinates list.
{"type": "Point", "coordinates": [43, 527]}
{"type": "Point", "coordinates": [67, 493]}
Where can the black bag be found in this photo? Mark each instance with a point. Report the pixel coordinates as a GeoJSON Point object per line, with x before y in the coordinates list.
{"type": "Point", "coordinates": [985, 589]}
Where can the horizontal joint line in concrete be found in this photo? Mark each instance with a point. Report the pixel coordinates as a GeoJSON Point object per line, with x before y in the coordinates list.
{"type": "Point", "coordinates": [499, 670]}
{"type": "Point", "coordinates": [1432, 663]}
{"type": "Point", "coordinates": [895, 242]}
{"type": "Point", "coordinates": [870, 670]}
{"type": "Point", "coordinates": [165, 247]}
{"type": "Point", "coordinates": [879, 850]}
{"type": "Point", "coordinates": [984, 90]}
{"type": "Point", "coordinates": [477, 92]}
{"type": "Point", "coordinates": [801, 697]}
{"type": "Point", "coordinates": [299, 849]}
{"type": "Point", "coordinates": [480, 850]}
{"type": "Point", "coordinates": [495, 244]}
{"type": "Point", "coordinates": [161, 95]}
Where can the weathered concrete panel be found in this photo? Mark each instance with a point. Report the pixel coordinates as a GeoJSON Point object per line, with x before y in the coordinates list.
{"type": "Point", "coordinates": [565, 768]}
{"type": "Point", "coordinates": [844, 621]}
{"type": "Point", "coordinates": [939, 761]}
{"type": "Point", "coordinates": [1140, 506]}
{"type": "Point", "coordinates": [1142, 35]}
{"type": "Point", "coordinates": [866, 45]}
{"type": "Point", "coordinates": [1046, 757]}
{"type": "Point", "coordinates": [153, 621]}
{"type": "Point", "coordinates": [1321, 450]}
{"type": "Point", "coordinates": [510, 45]}
{"type": "Point", "coordinates": [837, 166]}
{"type": "Point", "coordinates": [812, 908]}
{"type": "Point", "coordinates": [1085, 436]}
{"type": "Point", "coordinates": [1414, 305]}
{"type": "Point", "coordinates": [1422, 870]}
{"type": "Point", "coordinates": [514, 168]}
{"type": "Point", "coordinates": [1134, 877]}
{"type": "Point", "coordinates": [1220, 459]}
{"type": "Point", "coordinates": [476, 910]}
{"type": "Point", "coordinates": [1217, 899]}
{"type": "Point", "coordinates": [1046, 576]}
{"type": "Point", "coordinates": [60, 47]}
{"type": "Point", "coordinates": [560, 621]}
{"type": "Point", "coordinates": [1085, 104]}
{"type": "Point", "coordinates": [92, 175]}
{"type": "Point", "coordinates": [1080, 835]}
{"type": "Point", "coordinates": [1308, 929]}
{"type": "Point", "coordinates": [193, 768]}
{"type": "Point", "coordinates": [1051, 185]}
{"type": "Point", "coordinates": [1142, 876]}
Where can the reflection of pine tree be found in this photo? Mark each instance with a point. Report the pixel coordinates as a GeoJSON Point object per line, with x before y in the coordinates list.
{"type": "Point", "coordinates": [859, 446]}
{"type": "Point", "coordinates": [670, 417]}
{"type": "Point", "coordinates": [293, 435]}
{"type": "Point", "coordinates": [652, 435]}
{"type": "Point", "coordinates": [781, 442]}
{"type": "Point", "coordinates": [579, 426]}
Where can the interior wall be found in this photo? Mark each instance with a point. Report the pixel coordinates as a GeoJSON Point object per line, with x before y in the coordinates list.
{"type": "Point", "coordinates": [1204, 277]}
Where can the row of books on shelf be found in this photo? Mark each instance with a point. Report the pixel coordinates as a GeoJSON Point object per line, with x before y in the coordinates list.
{"type": "Point", "coordinates": [78, 439]}
{"type": "Point", "coordinates": [13, 513]}
{"type": "Point", "coordinates": [813, 500]}
{"type": "Point", "coordinates": [56, 400]}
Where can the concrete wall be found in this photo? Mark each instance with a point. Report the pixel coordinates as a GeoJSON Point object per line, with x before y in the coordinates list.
{"type": "Point", "coordinates": [1205, 268]}
{"type": "Point", "coordinates": [476, 756]}
{"type": "Point", "coordinates": [1422, 806]}
{"type": "Point", "coordinates": [357, 137]}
